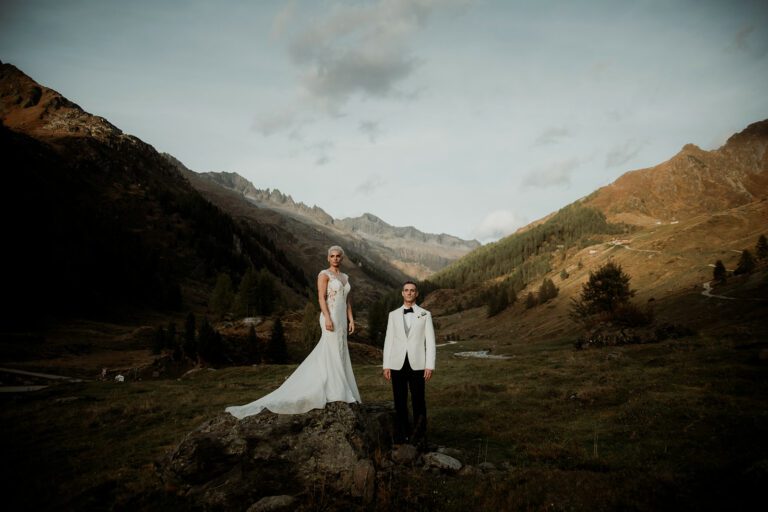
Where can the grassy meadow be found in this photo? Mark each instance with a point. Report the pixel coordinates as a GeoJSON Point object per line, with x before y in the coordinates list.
{"type": "Point", "coordinates": [674, 425]}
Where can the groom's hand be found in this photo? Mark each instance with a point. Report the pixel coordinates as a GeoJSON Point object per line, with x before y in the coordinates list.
{"type": "Point", "coordinates": [387, 374]}
{"type": "Point", "coordinates": [427, 374]}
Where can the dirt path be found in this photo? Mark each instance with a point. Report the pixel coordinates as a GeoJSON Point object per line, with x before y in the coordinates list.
{"type": "Point", "coordinates": [708, 292]}
{"type": "Point", "coordinates": [39, 375]}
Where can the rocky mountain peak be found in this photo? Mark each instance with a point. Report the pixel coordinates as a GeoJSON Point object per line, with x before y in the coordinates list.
{"type": "Point", "coordinates": [692, 182]}
{"type": "Point", "coordinates": [411, 251]}
{"type": "Point", "coordinates": [31, 108]}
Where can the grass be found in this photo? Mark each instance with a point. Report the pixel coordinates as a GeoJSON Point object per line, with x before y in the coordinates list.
{"type": "Point", "coordinates": [679, 424]}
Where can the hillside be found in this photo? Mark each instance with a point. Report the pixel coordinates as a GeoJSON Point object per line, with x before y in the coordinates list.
{"type": "Point", "coordinates": [406, 250]}
{"type": "Point", "coordinates": [305, 242]}
{"type": "Point", "coordinates": [666, 226]}
{"type": "Point", "coordinates": [102, 224]}
{"type": "Point", "coordinates": [692, 182]}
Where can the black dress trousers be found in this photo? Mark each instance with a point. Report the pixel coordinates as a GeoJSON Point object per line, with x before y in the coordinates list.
{"type": "Point", "coordinates": [402, 380]}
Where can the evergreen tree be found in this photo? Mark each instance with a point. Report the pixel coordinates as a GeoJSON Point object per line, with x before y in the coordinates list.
{"type": "Point", "coordinates": [265, 295]}
{"type": "Point", "coordinates": [530, 300]}
{"type": "Point", "coordinates": [253, 346]}
{"type": "Point", "coordinates": [377, 322]}
{"type": "Point", "coordinates": [719, 274]}
{"type": "Point", "coordinates": [210, 345]}
{"type": "Point", "coordinates": [498, 300]}
{"type": "Point", "coordinates": [158, 340]}
{"type": "Point", "coordinates": [547, 291]}
{"type": "Point", "coordinates": [245, 301]}
{"type": "Point", "coordinates": [761, 248]}
{"type": "Point", "coordinates": [512, 293]}
{"type": "Point", "coordinates": [223, 296]}
{"type": "Point", "coordinates": [310, 326]}
{"type": "Point", "coordinates": [190, 337]}
{"type": "Point", "coordinates": [564, 275]}
{"type": "Point", "coordinates": [277, 351]}
{"type": "Point", "coordinates": [746, 263]}
{"type": "Point", "coordinates": [607, 288]}
{"type": "Point", "coordinates": [378, 316]}
{"type": "Point", "coordinates": [172, 341]}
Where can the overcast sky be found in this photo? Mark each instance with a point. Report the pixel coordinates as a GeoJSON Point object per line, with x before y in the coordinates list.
{"type": "Point", "coordinates": [465, 117]}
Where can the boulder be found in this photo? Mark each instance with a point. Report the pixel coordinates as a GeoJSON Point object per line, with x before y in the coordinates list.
{"type": "Point", "coordinates": [229, 464]}
{"type": "Point", "coordinates": [442, 461]}
{"type": "Point", "coordinates": [486, 466]}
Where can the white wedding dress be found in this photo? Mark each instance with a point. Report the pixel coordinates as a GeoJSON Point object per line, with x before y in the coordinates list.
{"type": "Point", "coordinates": [325, 375]}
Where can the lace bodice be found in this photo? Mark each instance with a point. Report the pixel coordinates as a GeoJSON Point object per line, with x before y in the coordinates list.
{"type": "Point", "coordinates": [338, 287]}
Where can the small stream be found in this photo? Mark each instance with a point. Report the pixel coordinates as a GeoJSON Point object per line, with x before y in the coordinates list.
{"type": "Point", "coordinates": [479, 354]}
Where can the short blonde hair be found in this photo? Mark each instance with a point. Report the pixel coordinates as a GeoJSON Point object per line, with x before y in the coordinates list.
{"type": "Point", "coordinates": [336, 248]}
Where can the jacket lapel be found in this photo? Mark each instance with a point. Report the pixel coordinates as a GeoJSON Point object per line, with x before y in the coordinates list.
{"type": "Point", "coordinates": [401, 322]}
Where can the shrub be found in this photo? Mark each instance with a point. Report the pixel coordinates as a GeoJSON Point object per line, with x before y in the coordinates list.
{"type": "Point", "coordinates": [719, 274]}
{"type": "Point", "coordinates": [746, 263]}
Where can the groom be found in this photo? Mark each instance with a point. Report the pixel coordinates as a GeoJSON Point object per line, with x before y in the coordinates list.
{"type": "Point", "coordinates": [409, 361]}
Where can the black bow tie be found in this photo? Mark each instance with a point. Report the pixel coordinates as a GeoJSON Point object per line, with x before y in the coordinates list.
{"type": "Point", "coordinates": [407, 310]}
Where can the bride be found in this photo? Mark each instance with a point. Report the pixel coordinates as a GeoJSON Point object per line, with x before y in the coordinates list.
{"type": "Point", "coordinates": [326, 374]}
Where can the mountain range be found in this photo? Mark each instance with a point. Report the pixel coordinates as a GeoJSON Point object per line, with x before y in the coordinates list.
{"type": "Point", "coordinates": [101, 222]}
{"type": "Point", "coordinates": [105, 223]}
{"type": "Point", "coordinates": [416, 254]}
{"type": "Point", "coordinates": [666, 226]}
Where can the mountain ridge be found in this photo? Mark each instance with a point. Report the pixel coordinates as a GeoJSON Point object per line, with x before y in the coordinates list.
{"type": "Point", "coordinates": [691, 182]}
{"type": "Point", "coordinates": [104, 223]}
{"type": "Point", "coordinates": [410, 250]}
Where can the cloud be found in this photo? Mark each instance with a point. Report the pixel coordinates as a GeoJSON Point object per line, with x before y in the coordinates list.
{"type": "Point", "coordinates": [278, 121]}
{"type": "Point", "coordinates": [617, 116]}
{"type": "Point", "coordinates": [322, 150]}
{"type": "Point", "coordinates": [371, 129]}
{"type": "Point", "coordinates": [498, 224]}
{"type": "Point", "coordinates": [743, 42]}
{"type": "Point", "coordinates": [370, 185]}
{"type": "Point", "coordinates": [740, 41]}
{"type": "Point", "coordinates": [623, 153]}
{"type": "Point", "coordinates": [552, 136]}
{"type": "Point", "coordinates": [355, 50]}
{"type": "Point", "coordinates": [552, 175]}
{"type": "Point", "coordinates": [283, 19]}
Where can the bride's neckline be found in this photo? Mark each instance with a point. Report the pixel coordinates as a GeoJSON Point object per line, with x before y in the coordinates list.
{"type": "Point", "coordinates": [335, 274]}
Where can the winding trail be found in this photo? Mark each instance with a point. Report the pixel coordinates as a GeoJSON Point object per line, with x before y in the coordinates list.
{"type": "Point", "coordinates": [708, 292]}
{"type": "Point", "coordinates": [40, 375]}
{"type": "Point", "coordinates": [28, 388]}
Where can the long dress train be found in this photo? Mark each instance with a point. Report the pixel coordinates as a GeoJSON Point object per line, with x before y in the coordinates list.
{"type": "Point", "coordinates": [325, 375]}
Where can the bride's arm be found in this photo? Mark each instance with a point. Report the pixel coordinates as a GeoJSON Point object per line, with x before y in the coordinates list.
{"type": "Point", "coordinates": [322, 288]}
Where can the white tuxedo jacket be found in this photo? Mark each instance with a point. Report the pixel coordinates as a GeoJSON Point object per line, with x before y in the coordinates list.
{"type": "Point", "coordinates": [418, 344]}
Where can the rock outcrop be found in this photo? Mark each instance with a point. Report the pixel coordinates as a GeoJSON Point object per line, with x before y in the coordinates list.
{"type": "Point", "coordinates": [230, 464]}
{"type": "Point", "coordinates": [337, 458]}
